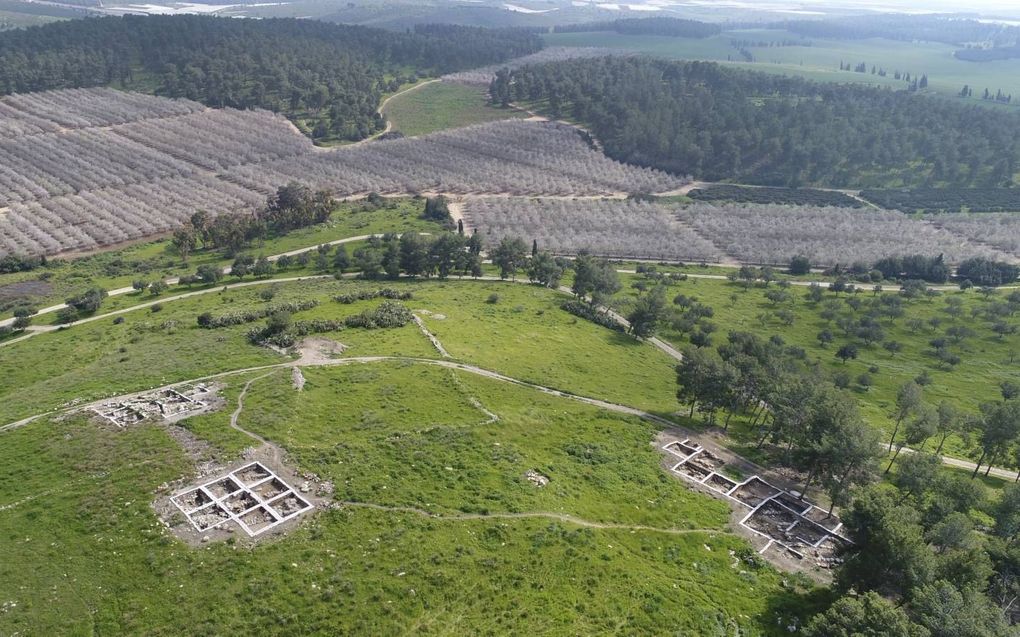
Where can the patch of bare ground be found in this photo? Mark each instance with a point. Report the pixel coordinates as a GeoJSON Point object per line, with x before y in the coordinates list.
{"type": "Point", "coordinates": [318, 351]}
{"type": "Point", "coordinates": [297, 378]}
{"type": "Point", "coordinates": [24, 289]}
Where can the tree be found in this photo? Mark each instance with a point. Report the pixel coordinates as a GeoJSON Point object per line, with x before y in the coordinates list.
{"type": "Point", "coordinates": [263, 268]}
{"type": "Point", "coordinates": [867, 615]}
{"type": "Point", "coordinates": [825, 338]}
{"type": "Point", "coordinates": [158, 287]}
{"type": "Point", "coordinates": [698, 377]}
{"type": "Point", "coordinates": [847, 452]}
{"type": "Point", "coordinates": [185, 240]}
{"type": "Point", "coordinates": [341, 260]}
{"type": "Point", "coordinates": [917, 432]}
{"type": "Point", "coordinates": [594, 278]}
{"type": "Point", "coordinates": [948, 422]}
{"type": "Point", "coordinates": [391, 253]}
{"type": "Point", "coordinates": [242, 265]}
{"type": "Point", "coordinates": [368, 260]}
{"type": "Point", "coordinates": [208, 273]}
{"type": "Point", "coordinates": [908, 400]}
{"type": "Point", "coordinates": [437, 209]}
{"type": "Point", "coordinates": [998, 425]}
{"type": "Point", "coordinates": [948, 612]}
{"type": "Point", "coordinates": [444, 254]}
{"type": "Point", "coordinates": [648, 311]}
{"type": "Point", "coordinates": [889, 555]}
{"type": "Point", "coordinates": [544, 269]}
{"type": "Point", "coordinates": [846, 352]}
{"type": "Point", "coordinates": [916, 472]}
{"type": "Point", "coordinates": [414, 255]}
{"type": "Point", "coordinates": [509, 256]}
{"type": "Point", "coordinates": [799, 265]}
{"type": "Point", "coordinates": [88, 301]}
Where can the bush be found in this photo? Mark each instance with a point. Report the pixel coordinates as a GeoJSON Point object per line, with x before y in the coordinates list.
{"type": "Point", "coordinates": [985, 272]}
{"type": "Point", "coordinates": [365, 295]}
{"type": "Point", "coordinates": [493, 299]}
{"type": "Point", "coordinates": [209, 321]}
{"type": "Point", "coordinates": [590, 313]}
{"type": "Point", "coordinates": [800, 265]}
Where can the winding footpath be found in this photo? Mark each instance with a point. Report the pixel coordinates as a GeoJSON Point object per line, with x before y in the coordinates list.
{"type": "Point", "coordinates": [548, 515]}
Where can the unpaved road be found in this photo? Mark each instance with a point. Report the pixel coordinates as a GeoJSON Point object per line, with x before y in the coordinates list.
{"type": "Point", "coordinates": [559, 517]}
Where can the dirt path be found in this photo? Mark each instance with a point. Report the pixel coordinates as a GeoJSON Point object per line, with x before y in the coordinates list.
{"type": "Point", "coordinates": [382, 111]}
{"type": "Point", "coordinates": [471, 369]}
{"type": "Point", "coordinates": [432, 337]}
{"type": "Point", "coordinates": [559, 517]}
{"type": "Point", "coordinates": [274, 452]}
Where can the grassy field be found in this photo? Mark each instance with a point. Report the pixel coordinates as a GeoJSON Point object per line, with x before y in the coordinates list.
{"type": "Point", "coordinates": [440, 106]}
{"type": "Point", "coordinates": [820, 61]}
{"type": "Point", "coordinates": [78, 532]}
{"type": "Point", "coordinates": [986, 359]}
{"type": "Point", "coordinates": [154, 260]}
{"type": "Point", "coordinates": [525, 335]}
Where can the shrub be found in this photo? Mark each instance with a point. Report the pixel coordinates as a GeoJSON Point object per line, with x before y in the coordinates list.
{"type": "Point", "coordinates": [365, 295]}
{"type": "Point", "coordinates": [590, 313]}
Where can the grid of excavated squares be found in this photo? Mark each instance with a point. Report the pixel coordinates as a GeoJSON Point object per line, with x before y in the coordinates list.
{"type": "Point", "coordinates": [253, 496]}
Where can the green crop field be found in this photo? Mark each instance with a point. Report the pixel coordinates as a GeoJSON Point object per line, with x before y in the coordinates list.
{"type": "Point", "coordinates": [821, 60]}
{"type": "Point", "coordinates": [440, 106]}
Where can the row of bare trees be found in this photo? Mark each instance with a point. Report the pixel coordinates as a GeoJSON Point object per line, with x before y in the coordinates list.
{"type": "Point", "coordinates": [772, 233]}
{"type": "Point", "coordinates": [610, 228]}
{"type": "Point", "coordinates": [88, 107]}
{"type": "Point", "coordinates": [104, 217]}
{"type": "Point", "coordinates": [516, 157]}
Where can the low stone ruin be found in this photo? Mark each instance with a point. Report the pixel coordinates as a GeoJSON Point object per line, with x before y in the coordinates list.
{"type": "Point", "coordinates": [253, 498]}
{"type": "Point", "coordinates": [168, 404]}
{"type": "Point", "coordinates": [791, 525]}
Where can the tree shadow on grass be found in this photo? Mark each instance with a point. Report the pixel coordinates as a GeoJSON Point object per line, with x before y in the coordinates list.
{"type": "Point", "coordinates": [795, 604]}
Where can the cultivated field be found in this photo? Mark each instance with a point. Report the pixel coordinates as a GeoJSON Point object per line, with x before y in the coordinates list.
{"type": "Point", "coordinates": [512, 157]}
{"type": "Point", "coordinates": [84, 169]}
{"type": "Point", "coordinates": [773, 234]}
{"type": "Point", "coordinates": [612, 228]}
{"type": "Point", "coordinates": [1000, 230]}
{"type": "Point", "coordinates": [753, 233]}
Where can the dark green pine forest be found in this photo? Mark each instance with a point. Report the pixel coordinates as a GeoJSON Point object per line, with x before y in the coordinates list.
{"type": "Point", "coordinates": [330, 75]}
{"type": "Point", "coordinates": [716, 123]}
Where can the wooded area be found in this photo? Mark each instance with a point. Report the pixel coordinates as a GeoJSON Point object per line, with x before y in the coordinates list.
{"type": "Point", "coordinates": [331, 74]}
{"type": "Point", "coordinates": [716, 123]}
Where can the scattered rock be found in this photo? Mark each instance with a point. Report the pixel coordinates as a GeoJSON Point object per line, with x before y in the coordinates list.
{"type": "Point", "coordinates": [536, 478]}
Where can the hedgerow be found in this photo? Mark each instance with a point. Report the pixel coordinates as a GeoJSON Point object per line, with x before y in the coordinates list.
{"type": "Point", "coordinates": [208, 321]}
{"type": "Point", "coordinates": [366, 295]}
{"type": "Point", "coordinates": [593, 314]}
